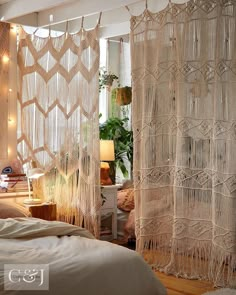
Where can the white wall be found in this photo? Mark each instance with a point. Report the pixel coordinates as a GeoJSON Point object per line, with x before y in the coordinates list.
{"type": "Point", "coordinates": [8, 121]}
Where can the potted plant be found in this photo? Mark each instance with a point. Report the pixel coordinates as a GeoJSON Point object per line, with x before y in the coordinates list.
{"type": "Point", "coordinates": [106, 79]}
{"type": "Point", "coordinates": [114, 129]}
{"type": "Point", "coordinates": [122, 95]}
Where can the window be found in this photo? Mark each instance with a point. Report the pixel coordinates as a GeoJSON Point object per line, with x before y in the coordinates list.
{"type": "Point", "coordinates": [103, 94]}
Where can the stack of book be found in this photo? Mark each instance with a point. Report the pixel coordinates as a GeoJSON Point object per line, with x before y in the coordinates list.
{"type": "Point", "coordinates": [14, 182]}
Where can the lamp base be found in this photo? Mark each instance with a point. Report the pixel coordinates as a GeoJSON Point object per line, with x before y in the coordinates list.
{"type": "Point", "coordinates": [106, 181]}
{"type": "Point", "coordinates": [105, 178]}
{"type": "Point", "coordinates": [32, 201]}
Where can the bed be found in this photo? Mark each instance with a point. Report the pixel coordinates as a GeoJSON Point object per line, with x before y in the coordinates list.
{"type": "Point", "coordinates": [78, 263]}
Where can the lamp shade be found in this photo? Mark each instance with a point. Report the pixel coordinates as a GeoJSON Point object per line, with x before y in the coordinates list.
{"type": "Point", "coordinates": [107, 151]}
{"type": "Point", "coordinates": [35, 173]}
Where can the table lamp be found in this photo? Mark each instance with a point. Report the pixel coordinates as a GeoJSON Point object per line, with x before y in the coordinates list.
{"type": "Point", "coordinates": [34, 173]}
{"type": "Point", "coordinates": [107, 153]}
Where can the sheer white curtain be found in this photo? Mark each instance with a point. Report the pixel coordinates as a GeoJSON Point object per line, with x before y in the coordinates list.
{"type": "Point", "coordinates": [184, 119]}
{"type": "Point", "coordinates": [58, 120]}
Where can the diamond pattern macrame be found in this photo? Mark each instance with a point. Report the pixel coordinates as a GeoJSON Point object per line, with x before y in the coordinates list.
{"type": "Point", "coordinates": [58, 107]}
{"type": "Point", "coordinates": [184, 124]}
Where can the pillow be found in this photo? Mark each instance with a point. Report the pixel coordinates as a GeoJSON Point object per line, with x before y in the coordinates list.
{"type": "Point", "coordinates": [127, 184]}
{"type": "Point", "coordinates": [11, 210]}
{"type": "Point", "coordinates": [125, 199]}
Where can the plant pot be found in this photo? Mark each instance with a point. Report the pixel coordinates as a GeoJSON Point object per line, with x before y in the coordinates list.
{"type": "Point", "coordinates": [123, 95]}
{"type": "Point", "coordinates": [106, 79]}
{"type": "Point", "coordinates": [108, 82]}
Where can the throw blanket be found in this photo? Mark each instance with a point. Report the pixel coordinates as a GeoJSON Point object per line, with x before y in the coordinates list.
{"type": "Point", "coordinates": [78, 264]}
{"type": "Point", "coordinates": [15, 228]}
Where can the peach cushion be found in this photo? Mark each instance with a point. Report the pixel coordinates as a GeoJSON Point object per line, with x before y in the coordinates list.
{"type": "Point", "coordinates": [125, 199]}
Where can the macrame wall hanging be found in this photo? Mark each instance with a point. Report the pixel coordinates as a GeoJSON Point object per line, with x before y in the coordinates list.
{"type": "Point", "coordinates": [184, 118]}
{"type": "Point", "coordinates": [58, 120]}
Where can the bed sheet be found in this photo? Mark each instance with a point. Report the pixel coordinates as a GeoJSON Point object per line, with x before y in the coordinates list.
{"type": "Point", "coordinates": [78, 263]}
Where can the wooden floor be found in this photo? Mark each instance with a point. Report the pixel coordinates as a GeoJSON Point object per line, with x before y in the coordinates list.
{"type": "Point", "coordinates": [178, 286]}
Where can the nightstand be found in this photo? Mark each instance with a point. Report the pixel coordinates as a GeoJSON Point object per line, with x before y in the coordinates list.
{"type": "Point", "coordinates": [110, 207]}
{"type": "Point", "coordinates": [46, 211]}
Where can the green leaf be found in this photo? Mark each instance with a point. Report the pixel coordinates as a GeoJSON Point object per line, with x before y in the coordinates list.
{"type": "Point", "coordinates": [114, 128]}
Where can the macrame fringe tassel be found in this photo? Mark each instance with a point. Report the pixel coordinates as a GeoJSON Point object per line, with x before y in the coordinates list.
{"type": "Point", "coordinates": [73, 204]}
{"type": "Point", "coordinates": [190, 259]}
{"type": "Point", "coordinates": [222, 267]}
{"type": "Point", "coordinates": [155, 250]}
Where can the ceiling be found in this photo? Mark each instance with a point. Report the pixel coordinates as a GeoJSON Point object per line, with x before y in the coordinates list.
{"type": "Point", "coordinates": [4, 1]}
{"type": "Point", "coordinates": [115, 19]}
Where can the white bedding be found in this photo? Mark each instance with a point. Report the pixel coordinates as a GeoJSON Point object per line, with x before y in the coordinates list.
{"type": "Point", "coordinates": [78, 263]}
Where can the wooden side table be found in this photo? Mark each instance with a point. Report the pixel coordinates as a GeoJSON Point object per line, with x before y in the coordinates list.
{"type": "Point", "coordinates": [46, 211]}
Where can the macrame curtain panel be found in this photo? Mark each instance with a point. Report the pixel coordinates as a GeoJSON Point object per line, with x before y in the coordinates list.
{"type": "Point", "coordinates": [58, 120]}
{"type": "Point", "coordinates": [184, 123]}
{"type": "Point", "coordinates": [5, 39]}
{"type": "Point", "coordinates": [4, 83]}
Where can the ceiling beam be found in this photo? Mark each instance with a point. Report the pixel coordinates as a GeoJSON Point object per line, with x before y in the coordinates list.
{"type": "Point", "coordinates": [37, 12]}
{"type": "Point", "coordinates": [109, 19]}
{"type": "Point", "coordinates": [27, 20]}
{"type": "Point", "coordinates": [61, 10]}
{"type": "Point", "coordinates": [114, 21]}
{"type": "Point", "coordinates": [17, 8]}
{"type": "Point", "coordinates": [82, 8]}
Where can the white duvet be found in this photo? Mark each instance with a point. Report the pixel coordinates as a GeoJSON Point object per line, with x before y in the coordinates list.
{"type": "Point", "coordinates": [78, 263]}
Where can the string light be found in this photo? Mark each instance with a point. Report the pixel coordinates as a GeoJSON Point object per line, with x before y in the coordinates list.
{"type": "Point", "coordinates": [5, 58]}
{"type": "Point", "coordinates": [10, 120]}
{"type": "Point", "coordinates": [51, 18]}
{"type": "Point", "coordinates": [14, 28]}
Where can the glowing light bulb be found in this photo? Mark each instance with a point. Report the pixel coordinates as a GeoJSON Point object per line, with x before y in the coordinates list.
{"type": "Point", "coordinates": [5, 58]}
{"type": "Point", "coordinates": [10, 90]}
{"type": "Point", "coordinates": [10, 121]}
{"type": "Point", "coordinates": [14, 28]}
